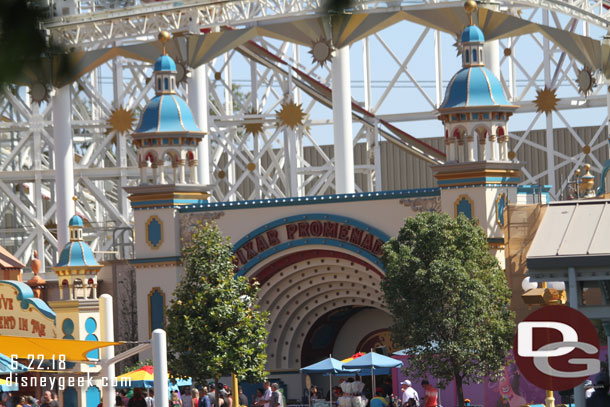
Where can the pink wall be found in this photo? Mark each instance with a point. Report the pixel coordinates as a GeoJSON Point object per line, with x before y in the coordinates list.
{"type": "Point", "coordinates": [512, 390]}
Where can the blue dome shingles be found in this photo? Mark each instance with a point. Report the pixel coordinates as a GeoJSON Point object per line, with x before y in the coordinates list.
{"type": "Point", "coordinates": [474, 87]}
{"type": "Point", "coordinates": [167, 114]}
{"type": "Point", "coordinates": [77, 254]}
{"type": "Point", "coordinates": [76, 221]}
{"type": "Point", "coordinates": [472, 33]}
{"type": "Point", "coordinates": [165, 63]}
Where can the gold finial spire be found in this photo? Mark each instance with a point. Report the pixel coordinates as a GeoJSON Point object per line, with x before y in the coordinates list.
{"type": "Point", "coordinates": [470, 6]}
{"type": "Point", "coordinates": [75, 198]}
{"type": "Point", "coordinates": [164, 37]}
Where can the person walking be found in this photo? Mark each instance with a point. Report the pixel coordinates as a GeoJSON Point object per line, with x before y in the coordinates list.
{"type": "Point", "coordinates": [276, 396]}
{"type": "Point", "coordinates": [243, 399]}
{"type": "Point", "coordinates": [174, 401]}
{"type": "Point", "coordinates": [408, 393]}
{"type": "Point", "coordinates": [47, 400]}
{"type": "Point", "coordinates": [150, 398]}
{"type": "Point", "coordinates": [137, 400]}
{"type": "Point", "coordinates": [267, 394]}
{"type": "Point", "coordinates": [600, 397]}
{"type": "Point", "coordinates": [430, 394]}
{"type": "Point", "coordinates": [204, 398]}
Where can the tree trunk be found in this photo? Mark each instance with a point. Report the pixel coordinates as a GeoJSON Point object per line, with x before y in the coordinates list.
{"type": "Point", "coordinates": [460, 390]}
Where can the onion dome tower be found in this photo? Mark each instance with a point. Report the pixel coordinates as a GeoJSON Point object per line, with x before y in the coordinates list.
{"type": "Point", "coordinates": [475, 111]}
{"type": "Point", "coordinates": [77, 267]}
{"type": "Point", "coordinates": [479, 178]}
{"type": "Point", "coordinates": [77, 313]}
{"type": "Point", "coordinates": [167, 135]}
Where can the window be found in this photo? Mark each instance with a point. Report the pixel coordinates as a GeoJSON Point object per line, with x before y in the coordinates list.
{"type": "Point", "coordinates": [159, 84]}
{"type": "Point", "coordinates": [166, 84]}
{"type": "Point", "coordinates": [467, 55]}
{"type": "Point", "coordinates": [474, 55]}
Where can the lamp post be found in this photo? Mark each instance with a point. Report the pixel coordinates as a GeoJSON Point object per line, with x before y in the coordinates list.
{"type": "Point", "coordinates": [544, 296]}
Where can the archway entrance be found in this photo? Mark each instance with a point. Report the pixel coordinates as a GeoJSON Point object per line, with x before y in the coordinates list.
{"type": "Point", "coordinates": [317, 294]}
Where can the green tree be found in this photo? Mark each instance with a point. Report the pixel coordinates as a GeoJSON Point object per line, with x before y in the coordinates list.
{"type": "Point", "coordinates": [449, 300]}
{"type": "Point", "coordinates": [214, 327]}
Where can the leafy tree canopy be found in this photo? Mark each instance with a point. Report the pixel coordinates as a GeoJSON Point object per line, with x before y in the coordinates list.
{"type": "Point", "coordinates": [214, 327]}
{"type": "Point", "coordinates": [449, 299]}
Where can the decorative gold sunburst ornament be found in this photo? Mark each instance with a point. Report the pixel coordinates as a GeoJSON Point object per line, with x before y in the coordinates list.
{"type": "Point", "coordinates": [291, 115]}
{"type": "Point", "coordinates": [458, 46]}
{"type": "Point", "coordinates": [254, 126]}
{"type": "Point", "coordinates": [546, 100]}
{"type": "Point", "coordinates": [182, 71]}
{"type": "Point", "coordinates": [321, 51]}
{"type": "Point", "coordinates": [39, 92]}
{"type": "Point", "coordinates": [121, 120]}
{"type": "Point", "coordinates": [586, 80]}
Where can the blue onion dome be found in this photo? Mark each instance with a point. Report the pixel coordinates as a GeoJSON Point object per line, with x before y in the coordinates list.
{"type": "Point", "coordinates": [77, 254]}
{"type": "Point", "coordinates": [474, 86]}
{"type": "Point", "coordinates": [472, 33]}
{"type": "Point", "coordinates": [165, 63]}
{"type": "Point", "coordinates": [76, 221]}
{"type": "Point", "coordinates": [167, 113]}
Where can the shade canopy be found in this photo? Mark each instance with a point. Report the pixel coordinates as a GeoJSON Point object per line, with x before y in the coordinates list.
{"type": "Point", "coordinates": [5, 365]}
{"type": "Point", "coordinates": [144, 378]}
{"type": "Point", "coordinates": [6, 387]}
{"type": "Point", "coordinates": [373, 360]}
{"type": "Point", "coordinates": [73, 350]}
{"type": "Point", "coordinates": [328, 365]}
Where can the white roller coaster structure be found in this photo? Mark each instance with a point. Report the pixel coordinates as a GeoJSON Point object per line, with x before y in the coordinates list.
{"type": "Point", "coordinates": [58, 142]}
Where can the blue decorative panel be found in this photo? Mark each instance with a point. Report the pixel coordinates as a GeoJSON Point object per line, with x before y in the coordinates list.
{"type": "Point", "coordinates": [501, 209]}
{"type": "Point", "coordinates": [157, 309]}
{"type": "Point", "coordinates": [67, 327]}
{"type": "Point", "coordinates": [464, 206]}
{"type": "Point", "coordinates": [90, 326]}
{"type": "Point", "coordinates": [154, 233]}
{"type": "Point", "coordinates": [93, 396]}
{"type": "Point", "coordinates": [70, 397]}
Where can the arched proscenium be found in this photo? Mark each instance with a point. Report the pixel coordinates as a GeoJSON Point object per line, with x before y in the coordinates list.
{"type": "Point", "coordinates": [300, 287]}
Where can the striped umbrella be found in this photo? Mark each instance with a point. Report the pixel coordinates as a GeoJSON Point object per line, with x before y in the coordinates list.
{"type": "Point", "coordinates": [144, 378]}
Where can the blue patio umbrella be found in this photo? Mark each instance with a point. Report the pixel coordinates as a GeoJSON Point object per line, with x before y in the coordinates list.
{"type": "Point", "coordinates": [6, 363]}
{"type": "Point", "coordinates": [330, 366]}
{"type": "Point", "coordinates": [372, 361]}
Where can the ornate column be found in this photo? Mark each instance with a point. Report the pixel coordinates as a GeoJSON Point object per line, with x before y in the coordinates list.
{"type": "Point", "coordinates": [175, 170]}
{"type": "Point", "coordinates": [155, 173]}
{"type": "Point", "coordinates": [493, 148]}
{"type": "Point", "coordinates": [143, 165]}
{"type": "Point", "coordinates": [161, 170]}
{"type": "Point", "coordinates": [469, 148]}
{"type": "Point", "coordinates": [182, 171]}
{"type": "Point", "coordinates": [503, 144]}
{"type": "Point", "coordinates": [460, 149]}
{"type": "Point", "coordinates": [193, 166]}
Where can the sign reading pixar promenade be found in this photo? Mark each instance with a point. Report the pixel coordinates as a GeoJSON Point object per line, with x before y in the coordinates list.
{"type": "Point", "coordinates": [23, 315]}
{"type": "Point", "coordinates": [311, 229]}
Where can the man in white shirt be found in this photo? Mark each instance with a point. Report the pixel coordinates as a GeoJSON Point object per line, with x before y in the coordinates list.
{"type": "Point", "coordinates": [150, 398]}
{"type": "Point", "coordinates": [408, 392]}
{"type": "Point", "coordinates": [267, 395]}
{"type": "Point", "coordinates": [276, 397]}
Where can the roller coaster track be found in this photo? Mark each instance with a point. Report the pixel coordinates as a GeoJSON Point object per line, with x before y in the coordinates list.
{"type": "Point", "coordinates": [323, 95]}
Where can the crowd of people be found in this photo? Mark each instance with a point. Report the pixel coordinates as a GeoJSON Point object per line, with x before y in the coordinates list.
{"type": "Point", "coordinates": [10, 399]}
{"type": "Point", "coordinates": [350, 393]}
